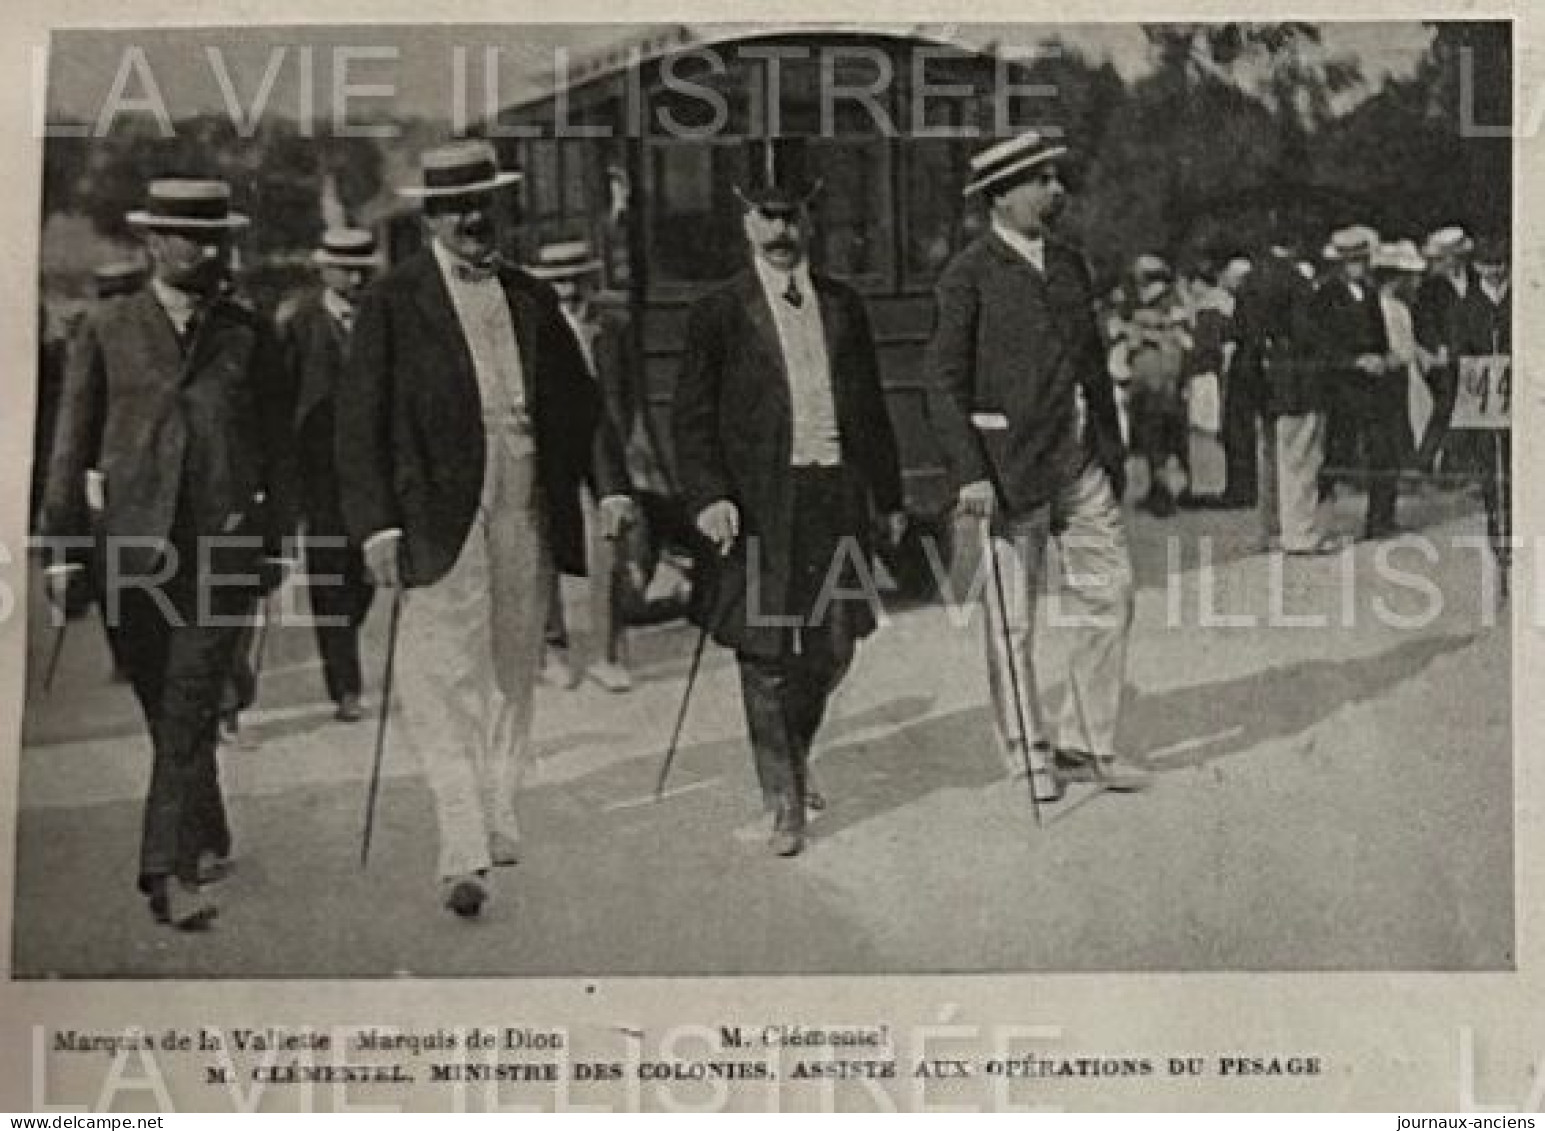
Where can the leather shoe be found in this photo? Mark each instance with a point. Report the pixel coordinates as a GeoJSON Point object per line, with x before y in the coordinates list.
{"type": "Point", "coordinates": [557, 671]}
{"type": "Point", "coordinates": [1120, 776]}
{"type": "Point", "coordinates": [1073, 765]}
{"type": "Point", "coordinates": [787, 842]}
{"type": "Point", "coordinates": [612, 676]}
{"type": "Point", "coordinates": [788, 838]}
{"type": "Point", "coordinates": [349, 710]}
{"type": "Point", "coordinates": [1114, 774]}
{"type": "Point", "coordinates": [183, 906]}
{"type": "Point", "coordinates": [466, 895]}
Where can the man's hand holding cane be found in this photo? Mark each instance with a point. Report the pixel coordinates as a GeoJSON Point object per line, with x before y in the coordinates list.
{"type": "Point", "coordinates": [720, 524]}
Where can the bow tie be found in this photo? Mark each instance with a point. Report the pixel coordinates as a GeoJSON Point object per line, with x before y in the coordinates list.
{"type": "Point", "coordinates": [476, 272]}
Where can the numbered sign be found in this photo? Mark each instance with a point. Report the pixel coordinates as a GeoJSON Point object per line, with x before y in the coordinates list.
{"type": "Point", "coordinates": [1485, 397]}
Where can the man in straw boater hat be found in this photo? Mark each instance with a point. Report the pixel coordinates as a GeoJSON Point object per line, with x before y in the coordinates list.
{"type": "Point", "coordinates": [1398, 267]}
{"type": "Point", "coordinates": [1349, 348]}
{"type": "Point", "coordinates": [1449, 281]}
{"type": "Point", "coordinates": [1024, 409]}
{"type": "Point", "coordinates": [177, 398]}
{"type": "Point", "coordinates": [605, 337]}
{"type": "Point", "coordinates": [786, 455]}
{"type": "Point", "coordinates": [316, 339]}
{"type": "Point", "coordinates": [1271, 322]}
{"type": "Point", "coordinates": [466, 428]}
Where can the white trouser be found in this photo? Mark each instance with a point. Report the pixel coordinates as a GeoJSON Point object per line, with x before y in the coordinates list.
{"type": "Point", "coordinates": [1292, 451]}
{"type": "Point", "coordinates": [469, 649]}
{"type": "Point", "coordinates": [1096, 606]}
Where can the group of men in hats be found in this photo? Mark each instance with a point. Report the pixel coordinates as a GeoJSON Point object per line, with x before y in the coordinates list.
{"type": "Point", "coordinates": [442, 429]}
{"type": "Point", "coordinates": [171, 458]}
{"type": "Point", "coordinates": [1332, 354]}
{"type": "Point", "coordinates": [1025, 412]}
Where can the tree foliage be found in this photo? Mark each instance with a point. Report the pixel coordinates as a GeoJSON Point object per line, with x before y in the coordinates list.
{"type": "Point", "coordinates": [1237, 131]}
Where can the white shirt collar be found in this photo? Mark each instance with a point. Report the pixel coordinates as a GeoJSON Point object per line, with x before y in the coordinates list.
{"type": "Point", "coordinates": [1030, 248]}
{"type": "Point", "coordinates": [449, 261]}
{"type": "Point", "coordinates": [178, 304]}
{"type": "Point", "coordinates": [1496, 294]}
{"type": "Point", "coordinates": [338, 306]}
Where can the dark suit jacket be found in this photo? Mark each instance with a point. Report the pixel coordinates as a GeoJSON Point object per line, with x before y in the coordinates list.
{"type": "Point", "coordinates": [1482, 326]}
{"type": "Point", "coordinates": [411, 443]}
{"type": "Point", "coordinates": [619, 375]}
{"type": "Point", "coordinates": [733, 425]}
{"type": "Point", "coordinates": [1012, 341]}
{"type": "Point", "coordinates": [201, 439]}
{"type": "Point", "coordinates": [1435, 316]}
{"type": "Point", "coordinates": [1272, 318]}
{"type": "Point", "coordinates": [315, 349]}
{"type": "Point", "coordinates": [1342, 329]}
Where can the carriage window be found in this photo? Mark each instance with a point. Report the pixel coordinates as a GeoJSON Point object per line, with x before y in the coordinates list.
{"type": "Point", "coordinates": [694, 231]}
{"type": "Point", "coordinates": [852, 238]}
{"type": "Point", "coordinates": [935, 176]}
{"type": "Point", "coordinates": [543, 191]}
{"type": "Point", "coordinates": [579, 174]}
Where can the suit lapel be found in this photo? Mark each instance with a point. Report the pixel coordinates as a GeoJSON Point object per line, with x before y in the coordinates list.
{"type": "Point", "coordinates": [161, 345]}
{"type": "Point", "coordinates": [1021, 265]}
{"type": "Point", "coordinates": [831, 333]}
{"type": "Point", "coordinates": [755, 303]}
{"type": "Point", "coordinates": [524, 322]}
{"type": "Point", "coordinates": [434, 301]}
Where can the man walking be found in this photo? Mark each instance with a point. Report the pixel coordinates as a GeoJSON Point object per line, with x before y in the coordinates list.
{"type": "Point", "coordinates": [785, 451]}
{"type": "Point", "coordinates": [1351, 352]}
{"type": "Point", "coordinates": [466, 426]}
{"type": "Point", "coordinates": [174, 397]}
{"type": "Point", "coordinates": [1026, 415]}
{"type": "Point", "coordinates": [316, 340]}
{"type": "Point", "coordinates": [1437, 315]}
{"type": "Point", "coordinates": [605, 338]}
{"type": "Point", "coordinates": [1273, 361]}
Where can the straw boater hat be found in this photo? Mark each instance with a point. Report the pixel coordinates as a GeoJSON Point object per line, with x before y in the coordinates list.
{"type": "Point", "coordinates": [1452, 240]}
{"type": "Point", "coordinates": [346, 247]}
{"type": "Point", "coordinates": [1399, 256]}
{"type": "Point", "coordinates": [187, 204]}
{"type": "Point", "coordinates": [565, 260]}
{"type": "Point", "coordinates": [461, 168]}
{"type": "Point", "coordinates": [1355, 242]}
{"type": "Point", "coordinates": [999, 166]}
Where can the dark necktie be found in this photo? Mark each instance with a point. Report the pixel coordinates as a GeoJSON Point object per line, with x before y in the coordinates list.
{"type": "Point", "coordinates": [477, 272]}
{"type": "Point", "coordinates": [792, 295]}
{"type": "Point", "coordinates": [189, 331]}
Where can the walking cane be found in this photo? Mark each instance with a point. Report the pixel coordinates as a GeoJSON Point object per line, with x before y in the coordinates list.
{"type": "Point", "coordinates": [260, 648]}
{"type": "Point", "coordinates": [1013, 666]}
{"type": "Point", "coordinates": [53, 656]}
{"type": "Point", "coordinates": [686, 696]}
{"type": "Point", "coordinates": [681, 713]}
{"type": "Point", "coordinates": [386, 702]}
